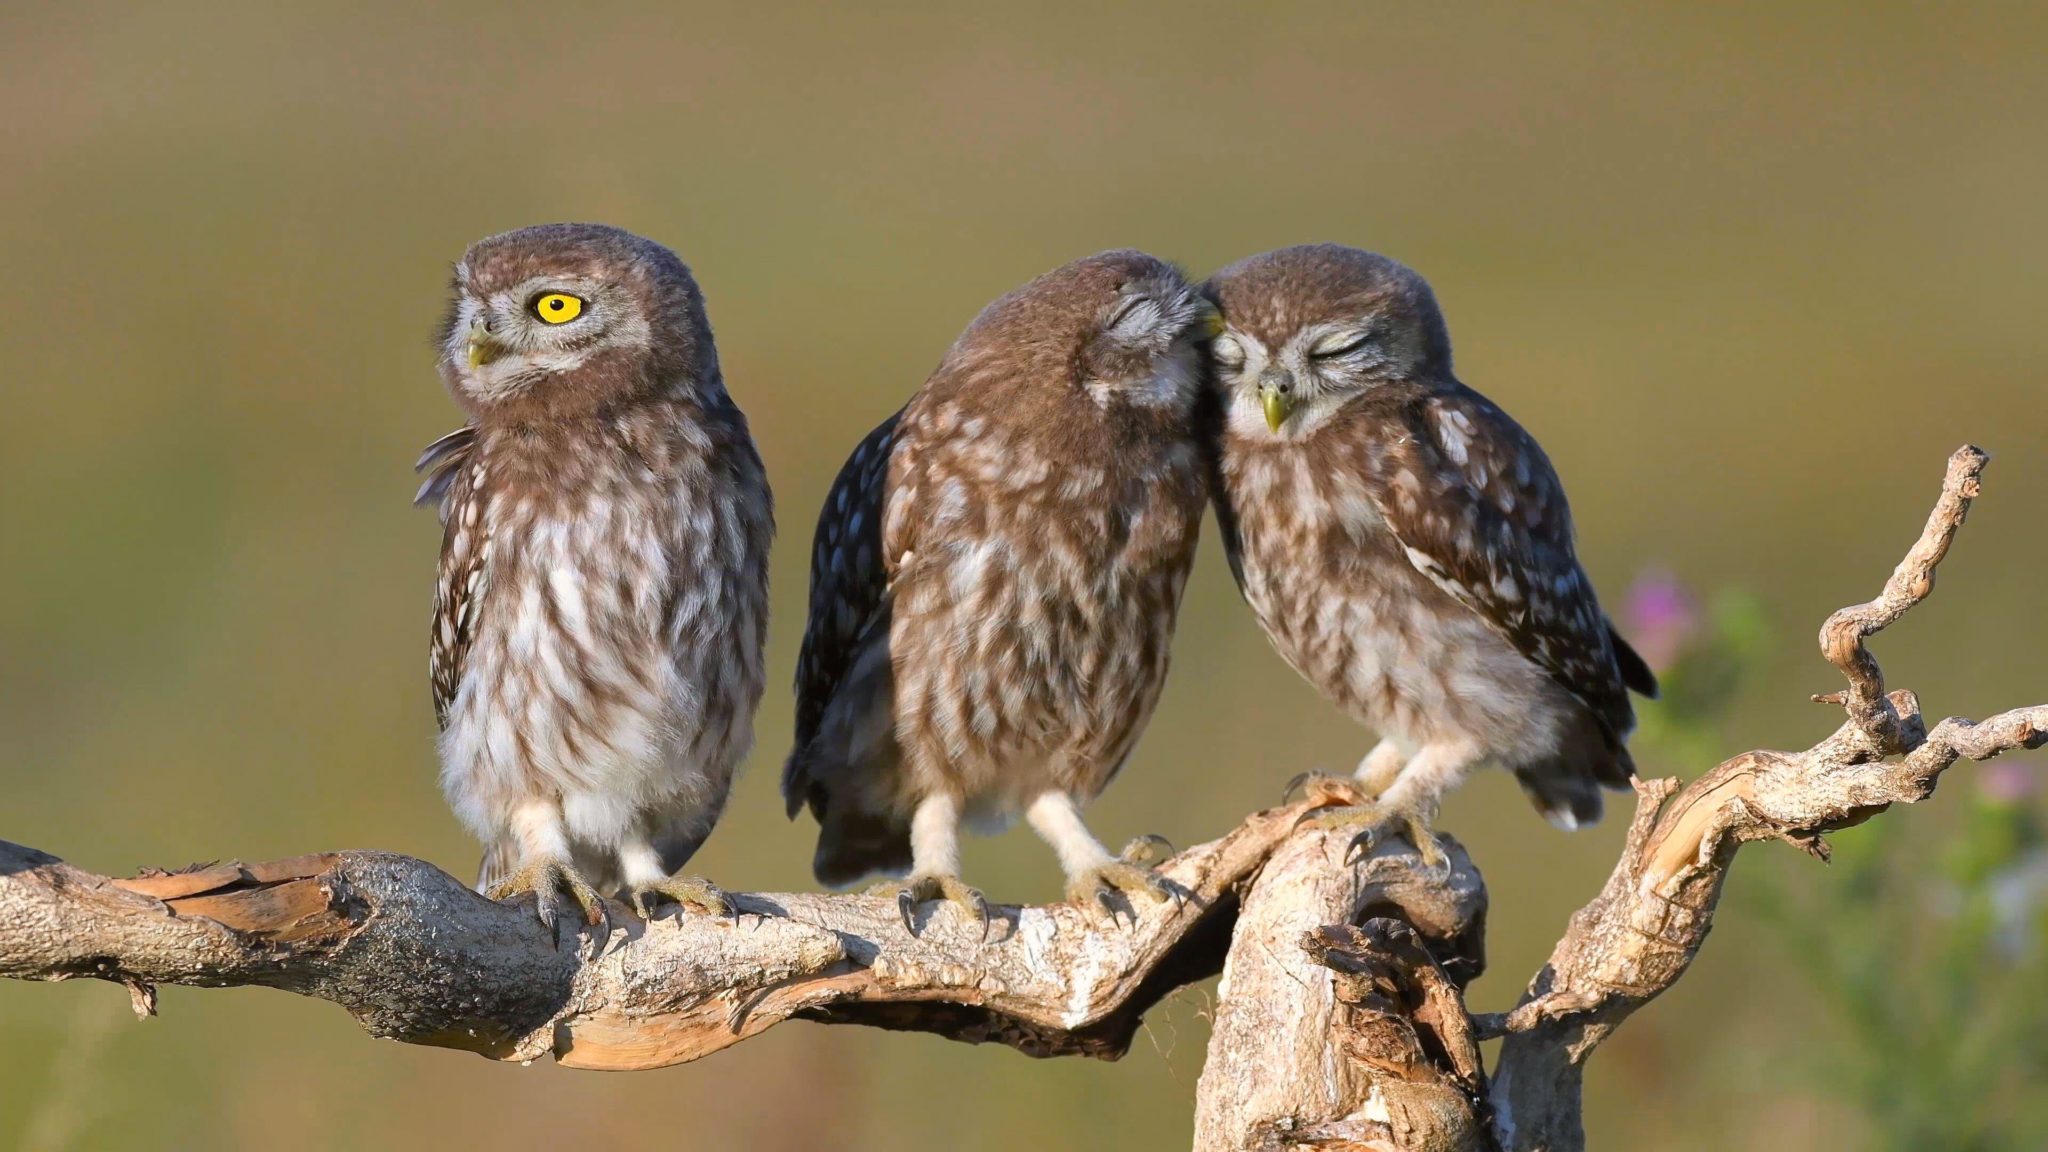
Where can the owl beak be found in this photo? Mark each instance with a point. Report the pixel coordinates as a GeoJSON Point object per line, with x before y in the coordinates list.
{"type": "Point", "coordinates": [1276, 394]}
{"type": "Point", "coordinates": [483, 348]}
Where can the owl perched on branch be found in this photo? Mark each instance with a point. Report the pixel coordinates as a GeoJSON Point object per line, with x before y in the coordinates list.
{"type": "Point", "coordinates": [602, 595]}
{"type": "Point", "coordinates": [1407, 545]}
{"type": "Point", "coordinates": [994, 584]}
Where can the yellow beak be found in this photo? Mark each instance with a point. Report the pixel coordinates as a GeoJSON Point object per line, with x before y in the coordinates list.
{"type": "Point", "coordinates": [1277, 406]}
{"type": "Point", "coordinates": [482, 348]}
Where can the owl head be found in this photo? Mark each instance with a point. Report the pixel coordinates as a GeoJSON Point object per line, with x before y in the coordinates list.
{"type": "Point", "coordinates": [564, 319]}
{"type": "Point", "coordinates": [1125, 328]}
{"type": "Point", "coordinates": [1307, 330]}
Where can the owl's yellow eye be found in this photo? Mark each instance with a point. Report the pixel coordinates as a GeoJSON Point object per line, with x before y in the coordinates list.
{"type": "Point", "coordinates": [557, 307]}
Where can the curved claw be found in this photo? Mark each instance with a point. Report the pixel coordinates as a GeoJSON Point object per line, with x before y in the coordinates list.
{"type": "Point", "coordinates": [1099, 885]}
{"type": "Point", "coordinates": [1361, 846]}
{"type": "Point", "coordinates": [1294, 785]}
{"type": "Point", "coordinates": [1374, 823]}
{"type": "Point", "coordinates": [949, 888]}
{"type": "Point", "coordinates": [548, 880]}
{"type": "Point", "coordinates": [691, 893]}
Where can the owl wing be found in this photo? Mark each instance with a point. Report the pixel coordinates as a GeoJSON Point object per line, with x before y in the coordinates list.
{"type": "Point", "coordinates": [849, 594]}
{"type": "Point", "coordinates": [442, 462]}
{"type": "Point", "coordinates": [1210, 433]}
{"type": "Point", "coordinates": [1479, 510]}
{"type": "Point", "coordinates": [458, 583]}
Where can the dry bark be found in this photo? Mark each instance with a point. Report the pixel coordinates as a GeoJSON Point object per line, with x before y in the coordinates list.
{"type": "Point", "coordinates": [414, 955]}
{"type": "Point", "coordinates": [1638, 936]}
{"type": "Point", "coordinates": [1339, 1023]}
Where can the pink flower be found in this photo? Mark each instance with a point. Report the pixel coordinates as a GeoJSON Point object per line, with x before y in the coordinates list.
{"type": "Point", "coordinates": [1660, 617]}
{"type": "Point", "coordinates": [2007, 781]}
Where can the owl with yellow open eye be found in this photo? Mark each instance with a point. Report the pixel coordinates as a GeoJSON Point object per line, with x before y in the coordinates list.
{"type": "Point", "coordinates": [601, 604]}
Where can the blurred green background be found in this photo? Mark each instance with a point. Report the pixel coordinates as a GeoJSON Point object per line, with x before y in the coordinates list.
{"type": "Point", "coordinates": [1749, 272]}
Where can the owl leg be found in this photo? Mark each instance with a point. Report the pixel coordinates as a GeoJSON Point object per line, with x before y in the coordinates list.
{"type": "Point", "coordinates": [546, 871]}
{"type": "Point", "coordinates": [1093, 875]}
{"type": "Point", "coordinates": [649, 884]}
{"type": "Point", "coordinates": [935, 863]}
{"type": "Point", "coordinates": [1380, 768]}
{"type": "Point", "coordinates": [1408, 804]}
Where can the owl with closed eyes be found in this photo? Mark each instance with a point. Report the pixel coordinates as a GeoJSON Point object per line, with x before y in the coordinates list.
{"type": "Point", "coordinates": [994, 585]}
{"type": "Point", "coordinates": [1407, 546]}
{"type": "Point", "coordinates": [602, 596]}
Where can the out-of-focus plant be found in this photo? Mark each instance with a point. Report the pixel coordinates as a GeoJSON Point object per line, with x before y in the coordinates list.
{"type": "Point", "coordinates": [1701, 657]}
{"type": "Point", "coordinates": [1924, 948]}
{"type": "Point", "coordinates": [1923, 944]}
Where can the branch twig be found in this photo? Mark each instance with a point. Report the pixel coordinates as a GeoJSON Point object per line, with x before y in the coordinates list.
{"type": "Point", "coordinates": [1327, 1035]}
{"type": "Point", "coordinates": [416, 956]}
{"type": "Point", "coordinates": [1638, 936]}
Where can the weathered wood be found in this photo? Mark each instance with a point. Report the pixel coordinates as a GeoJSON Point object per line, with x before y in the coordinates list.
{"type": "Point", "coordinates": [1277, 1062]}
{"type": "Point", "coordinates": [415, 955]}
{"type": "Point", "coordinates": [1339, 1023]}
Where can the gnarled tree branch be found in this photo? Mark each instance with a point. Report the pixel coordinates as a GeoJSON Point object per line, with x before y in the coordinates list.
{"type": "Point", "coordinates": [414, 955]}
{"type": "Point", "coordinates": [1639, 935]}
{"type": "Point", "coordinates": [1339, 1024]}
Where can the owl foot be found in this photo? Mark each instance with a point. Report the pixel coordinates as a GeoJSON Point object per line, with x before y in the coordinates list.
{"type": "Point", "coordinates": [1375, 822]}
{"type": "Point", "coordinates": [1327, 791]}
{"type": "Point", "coordinates": [1095, 889]}
{"type": "Point", "coordinates": [692, 893]}
{"type": "Point", "coordinates": [548, 880]}
{"type": "Point", "coordinates": [935, 887]}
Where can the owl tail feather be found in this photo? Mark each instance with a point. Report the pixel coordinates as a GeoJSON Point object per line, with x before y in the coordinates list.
{"type": "Point", "coordinates": [1566, 787]}
{"type": "Point", "coordinates": [852, 845]}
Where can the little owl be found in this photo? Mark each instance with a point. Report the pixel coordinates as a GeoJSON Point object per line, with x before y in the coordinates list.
{"type": "Point", "coordinates": [602, 593]}
{"type": "Point", "coordinates": [994, 584]}
{"type": "Point", "coordinates": [1407, 546]}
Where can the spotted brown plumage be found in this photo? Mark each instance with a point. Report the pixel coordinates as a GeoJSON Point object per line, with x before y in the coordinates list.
{"type": "Point", "coordinates": [601, 603]}
{"type": "Point", "coordinates": [995, 581]}
{"type": "Point", "coordinates": [1406, 545]}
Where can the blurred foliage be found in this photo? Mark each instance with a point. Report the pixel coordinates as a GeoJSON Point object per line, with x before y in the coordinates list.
{"type": "Point", "coordinates": [1749, 271]}
{"type": "Point", "coordinates": [1922, 949]}
{"type": "Point", "coordinates": [1924, 952]}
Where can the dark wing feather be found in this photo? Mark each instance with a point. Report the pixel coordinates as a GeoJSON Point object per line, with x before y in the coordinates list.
{"type": "Point", "coordinates": [442, 462]}
{"type": "Point", "coordinates": [458, 583]}
{"type": "Point", "coordinates": [1479, 510]}
{"type": "Point", "coordinates": [1210, 431]}
{"type": "Point", "coordinates": [849, 597]}
{"type": "Point", "coordinates": [1635, 671]}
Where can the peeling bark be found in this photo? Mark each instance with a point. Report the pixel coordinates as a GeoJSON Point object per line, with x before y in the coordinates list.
{"type": "Point", "coordinates": [1339, 1023]}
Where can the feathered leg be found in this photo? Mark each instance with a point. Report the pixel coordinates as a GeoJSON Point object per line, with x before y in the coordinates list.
{"type": "Point", "coordinates": [935, 863]}
{"type": "Point", "coordinates": [545, 869]}
{"type": "Point", "coordinates": [1092, 873]}
{"type": "Point", "coordinates": [648, 882]}
{"type": "Point", "coordinates": [1408, 804]}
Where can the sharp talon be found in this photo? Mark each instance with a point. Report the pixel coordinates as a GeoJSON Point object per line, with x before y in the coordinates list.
{"type": "Point", "coordinates": [687, 893]}
{"type": "Point", "coordinates": [1293, 786]}
{"type": "Point", "coordinates": [981, 913]}
{"type": "Point", "coordinates": [906, 906]}
{"type": "Point", "coordinates": [1360, 847]}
